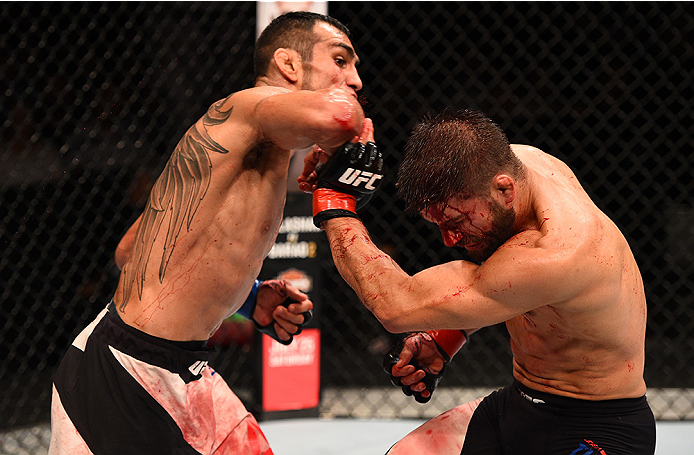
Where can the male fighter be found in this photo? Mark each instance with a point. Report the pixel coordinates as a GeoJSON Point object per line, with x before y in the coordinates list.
{"type": "Point", "coordinates": [136, 381]}
{"type": "Point", "coordinates": [548, 263]}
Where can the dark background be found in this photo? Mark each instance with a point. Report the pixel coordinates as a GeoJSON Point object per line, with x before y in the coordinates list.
{"type": "Point", "coordinates": [96, 95]}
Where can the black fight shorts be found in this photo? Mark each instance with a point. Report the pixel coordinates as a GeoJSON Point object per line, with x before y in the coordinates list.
{"type": "Point", "coordinates": [517, 420]}
{"type": "Point", "coordinates": [121, 391]}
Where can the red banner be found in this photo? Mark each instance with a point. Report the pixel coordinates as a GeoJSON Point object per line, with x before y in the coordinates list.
{"type": "Point", "coordinates": [291, 374]}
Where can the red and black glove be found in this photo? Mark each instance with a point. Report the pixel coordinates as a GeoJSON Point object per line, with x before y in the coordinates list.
{"type": "Point", "coordinates": [446, 342]}
{"type": "Point", "coordinates": [346, 182]}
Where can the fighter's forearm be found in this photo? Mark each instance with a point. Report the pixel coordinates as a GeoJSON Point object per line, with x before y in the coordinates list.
{"type": "Point", "coordinates": [374, 276]}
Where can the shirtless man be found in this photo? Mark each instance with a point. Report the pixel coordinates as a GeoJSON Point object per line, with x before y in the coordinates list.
{"type": "Point", "coordinates": [548, 263]}
{"type": "Point", "coordinates": [136, 381]}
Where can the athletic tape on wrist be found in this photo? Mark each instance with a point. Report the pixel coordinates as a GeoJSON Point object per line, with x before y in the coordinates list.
{"type": "Point", "coordinates": [248, 306]}
{"type": "Point", "coordinates": [329, 199]}
{"type": "Point", "coordinates": [449, 340]}
{"type": "Point", "coordinates": [329, 203]}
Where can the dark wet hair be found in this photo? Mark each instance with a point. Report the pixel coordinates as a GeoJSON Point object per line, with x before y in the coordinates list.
{"type": "Point", "coordinates": [454, 153]}
{"type": "Point", "coordinates": [293, 30]}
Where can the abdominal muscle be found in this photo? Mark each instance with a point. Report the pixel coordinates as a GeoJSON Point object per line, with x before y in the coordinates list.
{"type": "Point", "coordinates": [553, 358]}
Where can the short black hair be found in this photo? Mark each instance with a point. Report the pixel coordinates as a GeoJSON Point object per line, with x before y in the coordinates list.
{"type": "Point", "coordinates": [293, 30]}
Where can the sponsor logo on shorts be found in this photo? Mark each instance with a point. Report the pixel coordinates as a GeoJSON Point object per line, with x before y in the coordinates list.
{"type": "Point", "coordinates": [355, 177]}
{"type": "Point", "coordinates": [531, 399]}
{"type": "Point", "coordinates": [588, 447]}
{"type": "Point", "coordinates": [197, 367]}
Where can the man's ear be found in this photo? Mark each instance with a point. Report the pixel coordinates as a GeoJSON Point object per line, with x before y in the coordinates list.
{"type": "Point", "coordinates": [504, 189]}
{"type": "Point", "coordinates": [288, 63]}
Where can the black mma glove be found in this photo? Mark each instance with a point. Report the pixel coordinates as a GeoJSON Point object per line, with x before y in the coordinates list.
{"type": "Point", "coordinates": [347, 181]}
{"type": "Point", "coordinates": [248, 308]}
{"type": "Point", "coordinates": [270, 328]}
{"type": "Point", "coordinates": [447, 343]}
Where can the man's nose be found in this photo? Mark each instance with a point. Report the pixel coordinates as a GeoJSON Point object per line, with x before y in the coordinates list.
{"type": "Point", "coordinates": [353, 80]}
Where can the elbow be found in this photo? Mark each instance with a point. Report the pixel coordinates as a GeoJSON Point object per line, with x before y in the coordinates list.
{"type": "Point", "coordinates": [392, 305]}
{"type": "Point", "coordinates": [346, 124]}
{"type": "Point", "coordinates": [392, 327]}
{"type": "Point", "coordinates": [350, 120]}
{"type": "Point", "coordinates": [120, 257]}
{"type": "Point", "coordinates": [393, 322]}
{"type": "Point", "coordinates": [396, 325]}
{"type": "Point", "coordinates": [345, 119]}
{"type": "Point", "coordinates": [123, 249]}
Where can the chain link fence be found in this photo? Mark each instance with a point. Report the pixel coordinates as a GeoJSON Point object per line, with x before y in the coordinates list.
{"type": "Point", "coordinates": [96, 95]}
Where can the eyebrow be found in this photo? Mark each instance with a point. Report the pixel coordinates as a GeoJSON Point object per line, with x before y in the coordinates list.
{"type": "Point", "coordinates": [349, 50]}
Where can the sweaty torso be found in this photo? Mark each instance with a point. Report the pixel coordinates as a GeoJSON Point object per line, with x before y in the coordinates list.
{"type": "Point", "coordinates": [591, 345]}
{"type": "Point", "coordinates": [211, 219]}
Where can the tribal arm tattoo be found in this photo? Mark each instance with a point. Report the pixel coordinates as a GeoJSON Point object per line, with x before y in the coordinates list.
{"type": "Point", "coordinates": [177, 193]}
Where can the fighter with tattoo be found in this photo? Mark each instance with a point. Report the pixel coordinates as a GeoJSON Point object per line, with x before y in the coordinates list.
{"type": "Point", "coordinates": [136, 380]}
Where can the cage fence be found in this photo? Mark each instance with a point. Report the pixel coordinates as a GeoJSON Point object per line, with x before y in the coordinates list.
{"type": "Point", "coordinates": [96, 95]}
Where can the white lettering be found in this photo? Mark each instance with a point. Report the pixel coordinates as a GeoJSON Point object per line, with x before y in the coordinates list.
{"type": "Point", "coordinates": [302, 351]}
{"type": "Point", "coordinates": [349, 176]}
{"type": "Point", "coordinates": [291, 360]}
{"type": "Point", "coordinates": [197, 367]}
{"type": "Point", "coordinates": [291, 250]}
{"type": "Point", "coordinates": [298, 224]}
{"type": "Point", "coordinates": [370, 185]}
{"type": "Point", "coordinates": [355, 178]}
{"type": "Point", "coordinates": [364, 177]}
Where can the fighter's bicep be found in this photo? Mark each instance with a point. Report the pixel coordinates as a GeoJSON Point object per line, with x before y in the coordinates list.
{"type": "Point", "coordinates": [230, 124]}
{"type": "Point", "coordinates": [300, 119]}
{"type": "Point", "coordinates": [524, 276]}
{"type": "Point", "coordinates": [295, 120]}
{"type": "Point", "coordinates": [463, 294]}
{"type": "Point", "coordinates": [448, 297]}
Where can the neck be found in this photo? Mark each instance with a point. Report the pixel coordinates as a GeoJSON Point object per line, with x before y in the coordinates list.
{"type": "Point", "coordinates": [525, 204]}
{"type": "Point", "coordinates": [268, 81]}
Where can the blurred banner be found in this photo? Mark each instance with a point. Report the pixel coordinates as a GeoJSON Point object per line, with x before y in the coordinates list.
{"type": "Point", "coordinates": [290, 375]}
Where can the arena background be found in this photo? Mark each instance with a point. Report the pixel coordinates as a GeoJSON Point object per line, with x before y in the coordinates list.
{"type": "Point", "coordinates": [96, 95]}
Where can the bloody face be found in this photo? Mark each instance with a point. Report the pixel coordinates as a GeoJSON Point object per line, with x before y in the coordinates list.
{"type": "Point", "coordinates": [479, 225]}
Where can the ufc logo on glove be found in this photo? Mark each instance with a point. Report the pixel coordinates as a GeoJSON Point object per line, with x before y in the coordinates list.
{"type": "Point", "coordinates": [339, 191]}
{"type": "Point", "coordinates": [355, 177]}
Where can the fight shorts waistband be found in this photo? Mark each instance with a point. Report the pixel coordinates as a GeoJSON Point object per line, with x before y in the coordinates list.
{"type": "Point", "coordinates": [575, 406]}
{"type": "Point", "coordinates": [184, 358]}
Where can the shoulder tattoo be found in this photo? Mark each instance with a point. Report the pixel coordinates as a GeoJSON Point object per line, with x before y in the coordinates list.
{"type": "Point", "coordinates": [177, 193]}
